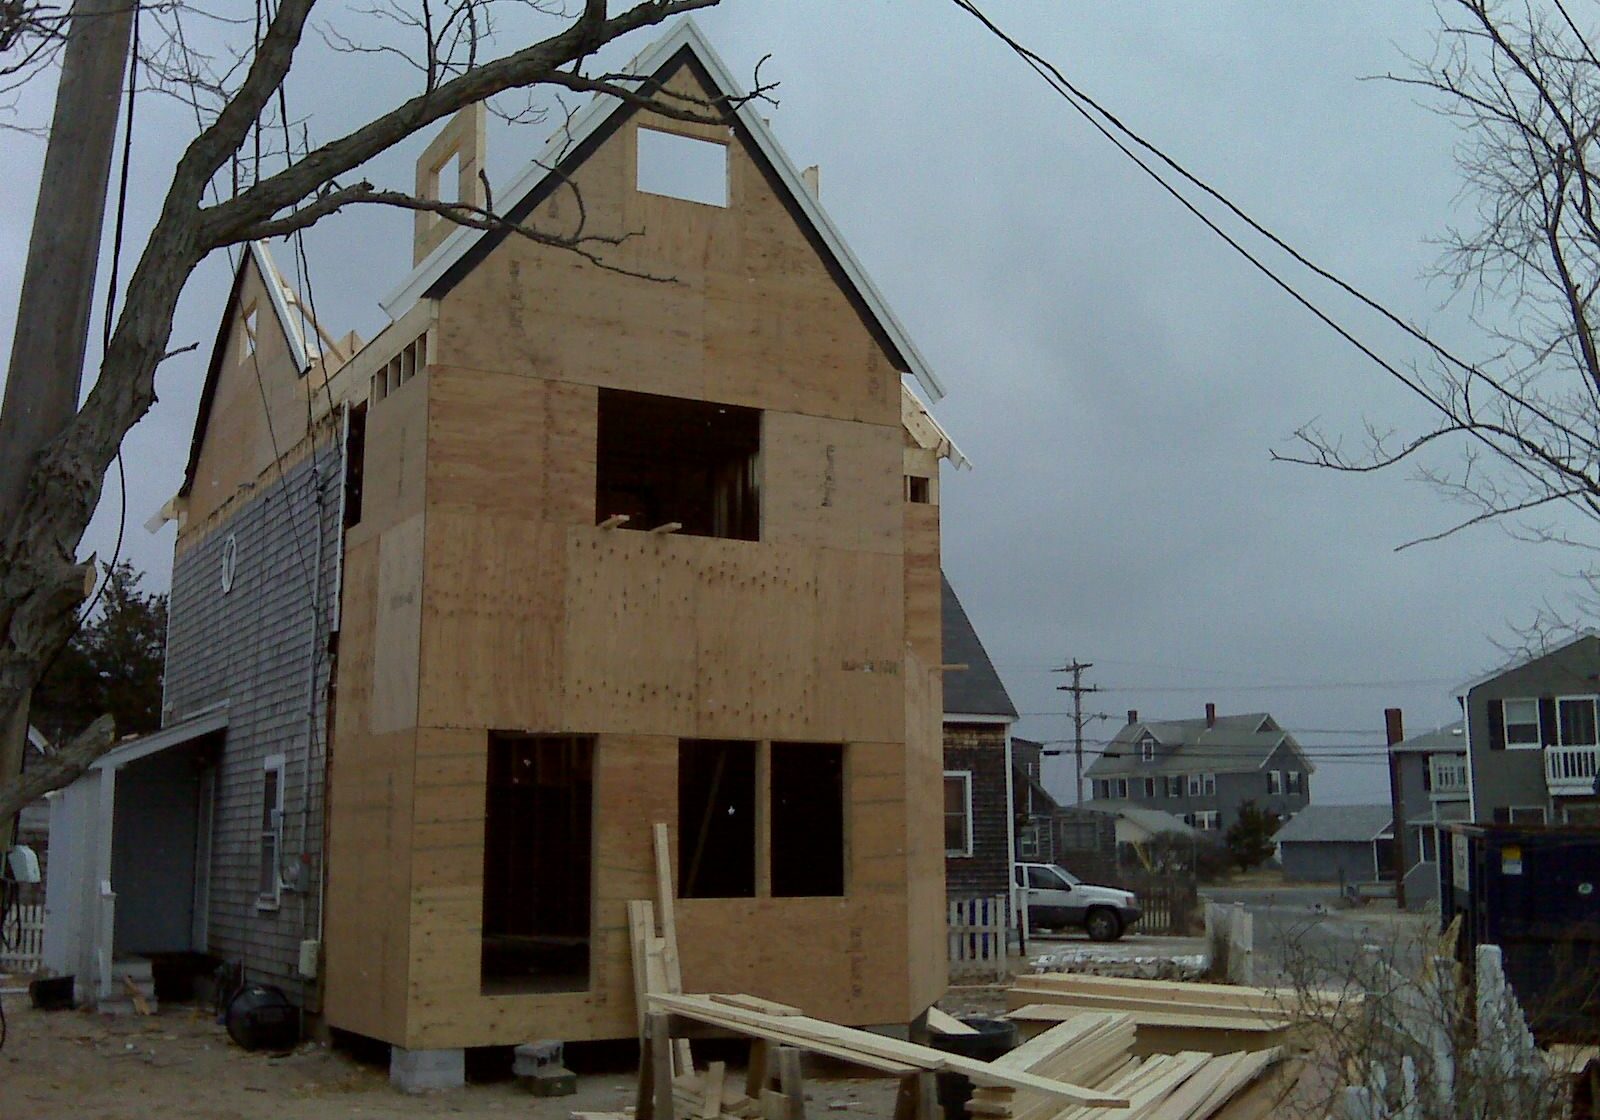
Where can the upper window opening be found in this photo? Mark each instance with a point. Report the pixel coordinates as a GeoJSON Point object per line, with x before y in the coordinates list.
{"type": "Point", "coordinates": [447, 179]}
{"type": "Point", "coordinates": [1522, 722]}
{"type": "Point", "coordinates": [247, 342]}
{"type": "Point", "coordinates": [919, 490]}
{"type": "Point", "coordinates": [1576, 721]}
{"type": "Point", "coordinates": [665, 461]}
{"type": "Point", "coordinates": [683, 167]}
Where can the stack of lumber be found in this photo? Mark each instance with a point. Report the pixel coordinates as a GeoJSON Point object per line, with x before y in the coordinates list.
{"type": "Point", "coordinates": [1094, 1048]}
{"type": "Point", "coordinates": [1171, 1016]}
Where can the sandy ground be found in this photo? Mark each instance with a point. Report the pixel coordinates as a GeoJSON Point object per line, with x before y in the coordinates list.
{"type": "Point", "coordinates": [179, 1065]}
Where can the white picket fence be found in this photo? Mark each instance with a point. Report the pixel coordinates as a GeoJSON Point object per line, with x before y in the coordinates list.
{"type": "Point", "coordinates": [1230, 942]}
{"type": "Point", "coordinates": [22, 939]}
{"type": "Point", "coordinates": [978, 932]}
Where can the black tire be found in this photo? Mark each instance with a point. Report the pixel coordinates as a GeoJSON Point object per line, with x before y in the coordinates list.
{"type": "Point", "coordinates": [1102, 924]}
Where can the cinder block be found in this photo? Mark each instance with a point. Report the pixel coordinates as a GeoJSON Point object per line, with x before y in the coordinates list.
{"type": "Point", "coordinates": [415, 1071]}
{"type": "Point", "coordinates": [531, 1057]}
{"type": "Point", "coordinates": [550, 1081]}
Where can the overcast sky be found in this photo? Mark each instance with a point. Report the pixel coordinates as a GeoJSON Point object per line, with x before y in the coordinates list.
{"type": "Point", "coordinates": [1115, 374]}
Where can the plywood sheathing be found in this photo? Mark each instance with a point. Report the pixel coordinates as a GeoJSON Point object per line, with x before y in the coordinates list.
{"type": "Point", "coordinates": [464, 138]}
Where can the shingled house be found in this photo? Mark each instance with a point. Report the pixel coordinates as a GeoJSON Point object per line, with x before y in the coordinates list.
{"type": "Point", "coordinates": [561, 553]}
{"type": "Point", "coordinates": [1202, 770]}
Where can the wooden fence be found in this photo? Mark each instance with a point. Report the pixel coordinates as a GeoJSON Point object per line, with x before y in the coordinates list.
{"type": "Point", "coordinates": [978, 937]}
{"type": "Point", "coordinates": [1171, 906]}
{"type": "Point", "coordinates": [22, 939]}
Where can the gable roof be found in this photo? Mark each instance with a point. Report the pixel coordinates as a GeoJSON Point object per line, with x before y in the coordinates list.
{"type": "Point", "coordinates": [1236, 744]}
{"type": "Point", "coordinates": [1337, 824]}
{"type": "Point", "coordinates": [1450, 737]}
{"type": "Point", "coordinates": [975, 690]}
{"type": "Point", "coordinates": [280, 299]}
{"type": "Point", "coordinates": [1521, 661]}
{"type": "Point", "coordinates": [684, 42]}
{"type": "Point", "coordinates": [1153, 821]}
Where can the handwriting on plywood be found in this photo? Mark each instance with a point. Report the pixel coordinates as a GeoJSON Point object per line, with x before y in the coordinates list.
{"type": "Point", "coordinates": [892, 668]}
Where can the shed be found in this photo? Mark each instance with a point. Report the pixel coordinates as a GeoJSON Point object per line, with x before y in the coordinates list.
{"type": "Point", "coordinates": [1334, 843]}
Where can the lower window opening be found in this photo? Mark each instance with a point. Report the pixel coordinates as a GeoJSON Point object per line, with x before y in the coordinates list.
{"type": "Point", "coordinates": [716, 819]}
{"type": "Point", "coordinates": [537, 863]}
{"type": "Point", "coordinates": [807, 820]}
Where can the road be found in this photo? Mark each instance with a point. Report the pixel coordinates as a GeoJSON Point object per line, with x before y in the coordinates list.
{"type": "Point", "coordinates": [1304, 936]}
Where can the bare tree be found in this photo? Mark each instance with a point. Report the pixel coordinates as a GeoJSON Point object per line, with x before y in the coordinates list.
{"type": "Point", "coordinates": [1515, 438]}
{"type": "Point", "coordinates": [246, 175]}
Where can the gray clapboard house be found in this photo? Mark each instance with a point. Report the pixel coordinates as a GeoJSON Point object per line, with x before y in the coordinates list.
{"type": "Point", "coordinates": [1533, 737]}
{"type": "Point", "coordinates": [1202, 770]}
{"type": "Point", "coordinates": [1432, 772]}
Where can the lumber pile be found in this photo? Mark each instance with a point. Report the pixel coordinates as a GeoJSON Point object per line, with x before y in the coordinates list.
{"type": "Point", "coordinates": [1095, 1048]}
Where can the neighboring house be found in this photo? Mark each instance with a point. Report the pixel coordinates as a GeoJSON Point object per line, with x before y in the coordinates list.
{"type": "Point", "coordinates": [1337, 844]}
{"type": "Point", "coordinates": [1047, 831]}
{"type": "Point", "coordinates": [1202, 770]}
{"type": "Point", "coordinates": [980, 809]}
{"type": "Point", "coordinates": [1137, 825]}
{"type": "Point", "coordinates": [561, 553]}
{"type": "Point", "coordinates": [1432, 771]}
{"type": "Point", "coordinates": [1533, 737]}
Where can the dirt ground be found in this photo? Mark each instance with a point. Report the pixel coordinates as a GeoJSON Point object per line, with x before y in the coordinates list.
{"type": "Point", "coordinates": [179, 1065]}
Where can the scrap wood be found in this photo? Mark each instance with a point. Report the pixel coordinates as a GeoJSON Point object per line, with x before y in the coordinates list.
{"type": "Point", "coordinates": [1066, 1012]}
{"type": "Point", "coordinates": [870, 1049]}
{"type": "Point", "coordinates": [946, 1023]}
{"type": "Point", "coordinates": [136, 996]}
{"type": "Point", "coordinates": [755, 1003]}
{"type": "Point", "coordinates": [1186, 995]}
{"type": "Point", "coordinates": [683, 1060]}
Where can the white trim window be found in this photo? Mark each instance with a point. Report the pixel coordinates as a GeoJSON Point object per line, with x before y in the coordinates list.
{"type": "Point", "coordinates": [1174, 785]}
{"type": "Point", "coordinates": [1150, 787]}
{"type": "Point", "coordinates": [1122, 789]}
{"type": "Point", "coordinates": [1208, 784]}
{"type": "Point", "coordinates": [1196, 784]}
{"type": "Point", "coordinates": [1293, 781]}
{"type": "Point", "coordinates": [1575, 721]}
{"type": "Point", "coordinates": [1028, 842]}
{"type": "Point", "coordinates": [1147, 748]}
{"type": "Point", "coordinates": [1274, 781]}
{"type": "Point", "coordinates": [269, 881]}
{"type": "Point", "coordinates": [1206, 820]}
{"type": "Point", "coordinates": [958, 813]}
{"type": "Point", "coordinates": [1522, 724]}
{"type": "Point", "coordinates": [1527, 814]}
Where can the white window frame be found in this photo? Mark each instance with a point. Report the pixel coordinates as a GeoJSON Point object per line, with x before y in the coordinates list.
{"type": "Point", "coordinates": [966, 782]}
{"type": "Point", "coordinates": [1205, 820]}
{"type": "Point", "coordinates": [1513, 810]}
{"type": "Point", "coordinates": [1150, 787]}
{"type": "Point", "coordinates": [1147, 748]}
{"type": "Point", "coordinates": [1194, 784]}
{"type": "Point", "coordinates": [1593, 706]}
{"type": "Point", "coordinates": [1293, 782]}
{"type": "Point", "coordinates": [1538, 729]}
{"type": "Point", "coordinates": [1208, 784]}
{"type": "Point", "coordinates": [1175, 785]}
{"type": "Point", "coordinates": [1122, 789]}
{"type": "Point", "coordinates": [1274, 782]}
{"type": "Point", "coordinates": [1028, 842]}
{"type": "Point", "coordinates": [273, 764]}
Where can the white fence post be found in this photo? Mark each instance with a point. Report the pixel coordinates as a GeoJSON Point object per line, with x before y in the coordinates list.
{"type": "Point", "coordinates": [22, 940]}
{"type": "Point", "coordinates": [978, 934]}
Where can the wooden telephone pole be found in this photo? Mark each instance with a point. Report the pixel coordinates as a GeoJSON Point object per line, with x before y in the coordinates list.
{"type": "Point", "coordinates": [1077, 688]}
{"type": "Point", "coordinates": [46, 371]}
{"type": "Point", "coordinates": [1395, 731]}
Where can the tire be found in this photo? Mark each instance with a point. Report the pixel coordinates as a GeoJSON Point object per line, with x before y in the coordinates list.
{"type": "Point", "coordinates": [1102, 924]}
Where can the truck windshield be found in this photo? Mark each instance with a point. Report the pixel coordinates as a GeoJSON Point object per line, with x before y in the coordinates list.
{"type": "Point", "coordinates": [1065, 874]}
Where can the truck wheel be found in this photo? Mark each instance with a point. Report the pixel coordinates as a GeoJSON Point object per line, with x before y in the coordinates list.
{"type": "Point", "coordinates": [1102, 925]}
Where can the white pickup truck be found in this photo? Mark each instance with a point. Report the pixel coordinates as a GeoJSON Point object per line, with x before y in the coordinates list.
{"type": "Point", "coordinates": [1057, 899]}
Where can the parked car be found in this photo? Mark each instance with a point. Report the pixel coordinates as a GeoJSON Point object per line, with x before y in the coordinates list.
{"type": "Point", "coordinates": [1058, 899]}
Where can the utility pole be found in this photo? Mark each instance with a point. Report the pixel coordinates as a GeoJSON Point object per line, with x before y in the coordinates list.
{"type": "Point", "coordinates": [46, 371]}
{"type": "Point", "coordinates": [1077, 688]}
{"type": "Point", "coordinates": [1395, 731]}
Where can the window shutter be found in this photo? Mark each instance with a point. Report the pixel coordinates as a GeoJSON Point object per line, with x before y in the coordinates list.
{"type": "Point", "coordinates": [1547, 720]}
{"type": "Point", "coordinates": [1497, 725]}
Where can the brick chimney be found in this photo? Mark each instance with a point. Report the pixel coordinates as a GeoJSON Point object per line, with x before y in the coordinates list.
{"type": "Point", "coordinates": [1211, 715]}
{"type": "Point", "coordinates": [1133, 716]}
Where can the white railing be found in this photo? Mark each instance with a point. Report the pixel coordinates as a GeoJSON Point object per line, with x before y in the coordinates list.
{"type": "Point", "coordinates": [1449, 776]}
{"type": "Point", "coordinates": [1571, 769]}
{"type": "Point", "coordinates": [978, 932]}
{"type": "Point", "coordinates": [22, 940]}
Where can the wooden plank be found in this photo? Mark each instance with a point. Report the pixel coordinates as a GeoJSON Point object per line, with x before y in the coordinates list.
{"type": "Point", "coordinates": [716, 1073]}
{"type": "Point", "coordinates": [684, 1060]}
{"type": "Point", "coordinates": [945, 1023]}
{"type": "Point", "coordinates": [755, 1003]}
{"type": "Point", "coordinates": [1059, 1013]}
{"type": "Point", "coordinates": [802, 1031]}
{"type": "Point", "coordinates": [660, 1045]}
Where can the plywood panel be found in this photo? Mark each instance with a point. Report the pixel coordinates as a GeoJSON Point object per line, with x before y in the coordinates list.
{"type": "Point", "coordinates": [398, 629]}
{"type": "Point", "coordinates": [924, 617]}
{"type": "Point", "coordinates": [830, 483]}
{"type": "Point", "coordinates": [749, 314]}
{"type": "Point", "coordinates": [492, 623]}
{"type": "Point", "coordinates": [394, 474]}
{"type": "Point", "coordinates": [860, 646]}
{"type": "Point", "coordinates": [877, 819]}
{"type": "Point", "coordinates": [927, 953]}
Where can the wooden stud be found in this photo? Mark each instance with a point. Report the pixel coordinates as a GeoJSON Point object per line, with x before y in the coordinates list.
{"type": "Point", "coordinates": [615, 521]}
{"type": "Point", "coordinates": [660, 1041]}
{"type": "Point", "coordinates": [758, 1074]}
{"type": "Point", "coordinates": [711, 1107]}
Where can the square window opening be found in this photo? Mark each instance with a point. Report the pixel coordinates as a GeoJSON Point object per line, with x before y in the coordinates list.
{"type": "Point", "coordinates": [683, 167]}
{"type": "Point", "coordinates": [664, 460]}
{"type": "Point", "coordinates": [537, 863]}
{"type": "Point", "coordinates": [716, 819]}
{"type": "Point", "coordinates": [808, 822]}
{"type": "Point", "coordinates": [919, 490]}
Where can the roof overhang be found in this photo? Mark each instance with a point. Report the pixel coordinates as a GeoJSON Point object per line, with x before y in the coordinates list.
{"type": "Point", "coordinates": [1484, 678]}
{"type": "Point", "coordinates": [684, 35]}
{"type": "Point", "coordinates": [970, 717]}
{"type": "Point", "coordinates": [176, 735]}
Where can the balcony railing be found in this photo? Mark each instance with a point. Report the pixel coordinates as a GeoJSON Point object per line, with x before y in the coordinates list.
{"type": "Point", "coordinates": [1571, 769]}
{"type": "Point", "coordinates": [1449, 777]}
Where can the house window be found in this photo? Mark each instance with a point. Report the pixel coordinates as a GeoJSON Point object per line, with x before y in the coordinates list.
{"type": "Point", "coordinates": [1526, 814]}
{"type": "Point", "coordinates": [1122, 788]}
{"type": "Point", "coordinates": [683, 167]}
{"type": "Point", "coordinates": [1575, 719]}
{"type": "Point", "coordinates": [1174, 785]}
{"type": "Point", "coordinates": [230, 562]}
{"type": "Point", "coordinates": [1295, 781]}
{"type": "Point", "coordinates": [269, 883]}
{"type": "Point", "coordinates": [1147, 748]}
{"type": "Point", "coordinates": [958, 812]}
{"type": "Point", "coordinates": [1206, 820]}
{"type": "Point", "coordinates": [537, 864]}
{"type": "Point", "coordinates": [248, 322]}
{"type": "Point", "coordinates": [690, 466]}
{"type": "Point", "coordinates": [1427, 844]}
{"type": "Point", "coordinates": [1522, 723]}
{"type": "Point", "coordinates": [1149, 787]}
{"type": "Point", "coordinates": [1195, 784]}
{"type": "Point", "coordinates": [1274, 781]}
{"type": "Point", "coordinates": [807, 815]}
{"type": "Point", "coordinates": [1210, 784]}
{"type": "Point", "coordinates": [919, 490]}
{"type": "Point", "coordinates": [716, 818]}
{"type": "Point", "coordinates": [1028, 842]}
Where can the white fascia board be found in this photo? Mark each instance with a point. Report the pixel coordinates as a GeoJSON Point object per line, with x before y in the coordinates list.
{"type": "Point", "coordinates": [685, 33]}
{"type": "Point", "coordinates": [212, 719]}
{"type": "Point", "coordinates": [273, 282]}
{"type": "Point", "coordinates": [968, 717]}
